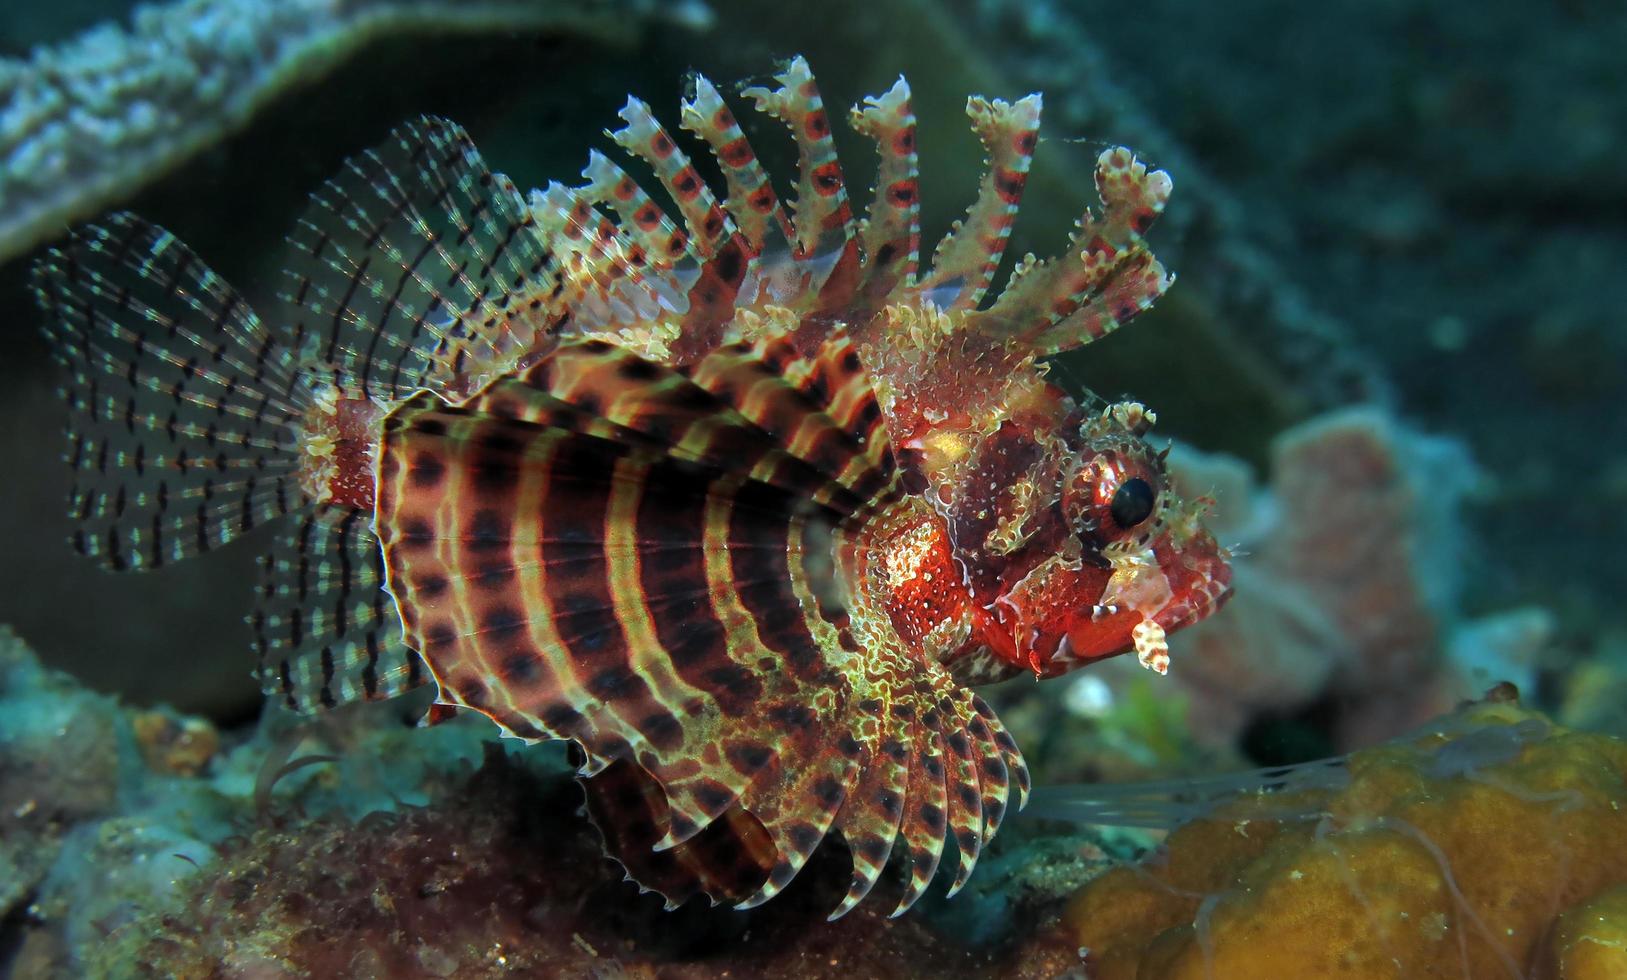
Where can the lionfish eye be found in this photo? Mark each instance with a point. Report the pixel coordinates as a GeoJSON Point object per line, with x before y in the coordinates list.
{"type": "Point", "coordinates": [1132, 502]}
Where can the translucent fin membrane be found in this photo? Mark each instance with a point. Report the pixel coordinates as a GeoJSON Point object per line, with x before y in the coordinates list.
{"type": "Point", "coordinates": [1107, 277]}
{"type": "Point", "coordinates": [609, 284]}
{"type": "Point", "coordinates": [182, 404]}
{"type": "Point", "coordinates": [326, 632]}
{"type": "Point", "coordinates": [662, 244]}
{"type": "Point", "coordinates": [965, 261]}
{"type": "Point", "coordinates": [416, 267]}
{"type": "Point", "coordinates": [192, 421]}
{"type": "Point", "coordinates": [645, 138]}
{"type": "Point", "coordinates": [1168, 804]}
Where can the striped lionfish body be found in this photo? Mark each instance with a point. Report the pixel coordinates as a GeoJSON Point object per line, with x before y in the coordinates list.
{"type": "Point", "coordinates": [742, 503]}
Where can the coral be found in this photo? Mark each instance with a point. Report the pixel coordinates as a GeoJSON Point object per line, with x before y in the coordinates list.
{"type": "Point", "coordinates": [1448, 853]}
{"type": "Point", "coordinates": [1348, 585]}
{"type": "Point", "coordinates": [84, 122]}
{"type": "Point", "coordinates": [142, 848]}
{"type": "Point", "coordinates": [1274, 648]}
{"type": "Point", "coordinates": [104, 810]}
{"type": "Point", "coordinates": [502, 878]}
{"type": "Point", "coordinates": [59, 765]}
{"type": "Point", "coordinates": [1589, 941]}
{"type": "Point", "coordinates": [1593, 693]}
{"type": "Point", "coordinates": [174, 744]}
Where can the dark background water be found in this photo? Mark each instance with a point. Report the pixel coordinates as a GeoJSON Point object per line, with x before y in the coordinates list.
{"type": "Point", "coordinates": [1422, 205]}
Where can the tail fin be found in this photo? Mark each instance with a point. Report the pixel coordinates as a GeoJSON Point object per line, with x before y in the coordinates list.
{"type": "Point", "coordinates": [415, 267]}
{"type": "Point", "coordinates": [183, 404]}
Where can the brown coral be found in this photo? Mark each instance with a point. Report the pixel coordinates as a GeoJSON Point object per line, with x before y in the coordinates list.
{"type": "Point", "coordinates": [1445, 855]}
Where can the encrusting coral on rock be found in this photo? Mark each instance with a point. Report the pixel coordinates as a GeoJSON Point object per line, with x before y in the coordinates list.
{"type": "Point", "coordinates": [1455, 852]}
{"type": "Point", "coordinates": [85, 122]}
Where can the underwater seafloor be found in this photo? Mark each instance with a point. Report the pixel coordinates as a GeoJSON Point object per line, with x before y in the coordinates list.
{"type": "Point", "coordinates": [1394, 356]}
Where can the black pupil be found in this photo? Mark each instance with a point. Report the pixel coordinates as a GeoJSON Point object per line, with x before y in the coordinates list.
{"type": "Point", "coordinates": [1132, 502]}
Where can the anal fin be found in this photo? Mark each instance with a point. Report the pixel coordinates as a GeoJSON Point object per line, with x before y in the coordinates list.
{"type": "Point", "coordinates": [326, 632]}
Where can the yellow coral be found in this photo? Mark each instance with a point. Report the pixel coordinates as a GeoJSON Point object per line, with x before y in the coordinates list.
{"type": "Point", "coordinates": [1447, 855]}
{"type": "Point", "coordinates": [1589, 942]}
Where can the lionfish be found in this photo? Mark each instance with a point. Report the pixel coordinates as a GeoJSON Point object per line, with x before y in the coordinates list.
{"type": "Point", "coordinates": [741, 504]}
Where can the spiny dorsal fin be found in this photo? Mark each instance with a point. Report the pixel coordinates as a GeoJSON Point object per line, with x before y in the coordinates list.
{"type": "Point", "coordinates": [416, 266]}
{"type": "Point", "coordinates": [822, 216]}
{"type": "Point", "coordinates": [182, 403]}
{"type": "Point", "coordinates": [752, 202]}
{"type": "Point", "coordinates": [326, 632]}
{"type": "Point", "coordinates": [610, 287]}
{"type": "Point", "coordinates": [965, 261]}
{"type": "Point", "coordinates": [891, 238]}
{"type": "Point", "coordinates": [1107, 277]}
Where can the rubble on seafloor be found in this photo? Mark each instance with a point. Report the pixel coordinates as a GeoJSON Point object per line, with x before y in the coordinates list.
{"type": "Point", "coordinates": [85, 122]}
{"type": "Point", "coordinates": [140, 843]}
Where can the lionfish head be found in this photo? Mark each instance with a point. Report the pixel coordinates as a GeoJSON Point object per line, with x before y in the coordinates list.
{"type": "Point", "coordinates": [1134, 562]}
{"type": "Point", "coordinates": [1070, 536]}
